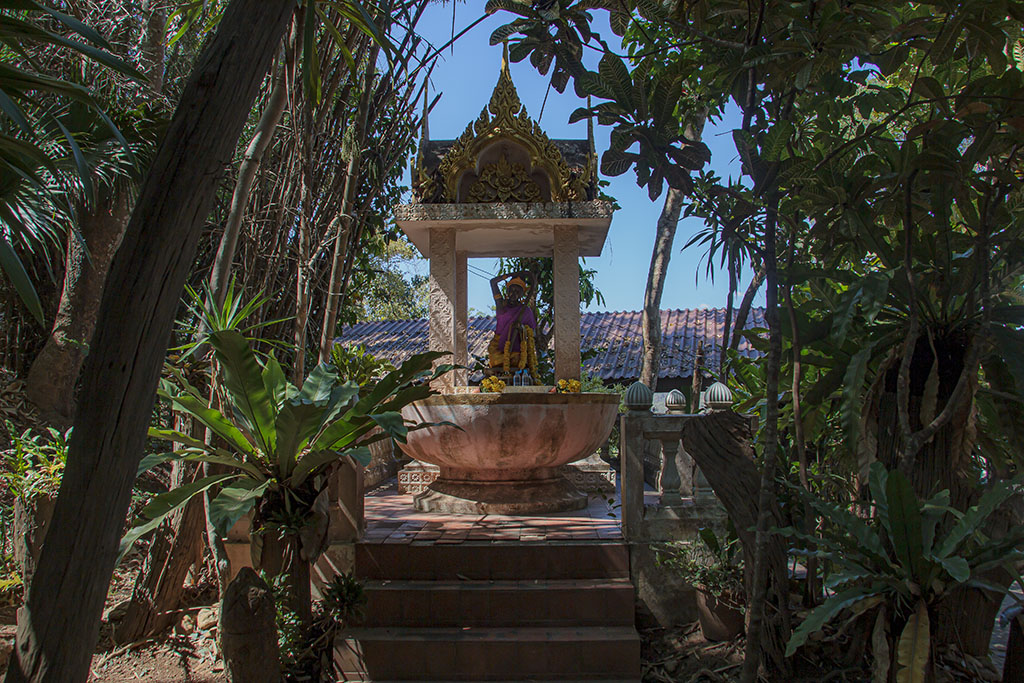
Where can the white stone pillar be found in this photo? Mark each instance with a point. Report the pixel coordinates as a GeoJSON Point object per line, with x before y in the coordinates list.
{"type": "Point", "coordinates": [461, 377]}
{"type": "Point", "coordinates": [442, 298]}
{"type": "Point", "coordinates": [567, 302]}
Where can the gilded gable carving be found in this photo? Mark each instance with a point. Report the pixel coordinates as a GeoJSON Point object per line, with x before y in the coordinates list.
{"type": "Point", "coordinates": [504, 181]}
{"type": "Point", "coordinates": [504, 118]}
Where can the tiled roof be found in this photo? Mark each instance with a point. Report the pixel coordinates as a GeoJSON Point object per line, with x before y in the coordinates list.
{"type": "Point", "coordinates": [615, 336]}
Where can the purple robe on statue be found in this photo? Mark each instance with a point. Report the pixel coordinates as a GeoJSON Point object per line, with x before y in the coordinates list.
{"type": "Point", "coordinates": [507, 317]}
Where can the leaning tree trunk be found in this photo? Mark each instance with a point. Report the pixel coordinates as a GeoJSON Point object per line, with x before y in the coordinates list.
{"type": "Point", "coordinates": [220, 272]}
{"type": "Point", "coordinates": [160, 584]}
{"type": "Point", "coordinates": [343, 239]}
{"type": "Point", "coordinates": [55, 643]}
{"type": "Point", "coordinates": [51, 380]}
{"type": "Point", "coordinates": [719, 444]}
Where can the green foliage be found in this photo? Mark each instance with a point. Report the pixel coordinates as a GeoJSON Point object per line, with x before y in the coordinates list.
{"type": "Point", "coordinates": [354, 364]}
{"type": "Point", "coordinates": [383, 285]}
{"type": "Point", "coordinates": [836, 142]}
{"type": "Point", "coordinates": [344, 600]}
{"type": "Point", "coordinates": [881, 149]}
{"type": "Point", "coordinates": [279, 439]}
{"type": "Point", "coordinates": [11, 584]}
{"type": "Point", "coordinates": [236, 313]}
{"type": "Point", "coordinates": [40, 153]}
{"type": "Point", "coordinates": [292, 640]}
{"type": "Point", "coordinates": [906, 557]}
{"type": "Point", "coordinates": [307, 653]}
{"type": "Point", "coordinates": [591, 382]}
{"type": "Point", "coordinates": [34, 464]}
{"type": "Point", "coordinates": [324, 13]}
{"type": "Point", "coordinates": [712, 564]}
{"type": "Point", "coordinates": [643, 104]}
{"type": "Point", "coordinates": [552, 36]}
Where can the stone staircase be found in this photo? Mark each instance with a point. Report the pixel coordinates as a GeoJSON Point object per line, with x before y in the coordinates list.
{"type": "Point", "coordinates": [493, 612]}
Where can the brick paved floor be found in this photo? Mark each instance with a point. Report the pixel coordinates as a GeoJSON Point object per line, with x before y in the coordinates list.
{"type": "Point", "coordinates": [391, 518]}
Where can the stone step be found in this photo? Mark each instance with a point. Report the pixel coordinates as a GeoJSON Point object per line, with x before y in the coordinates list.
{"type": "Point", "coordinates": [472, 561]}
{"type": "Point", "coordinates": [576, 602]}
{"type": "Point", "coordinates": [489, 654]}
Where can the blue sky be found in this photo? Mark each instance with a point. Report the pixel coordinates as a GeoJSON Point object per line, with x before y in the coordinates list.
{"type": "Point", "coordinates": [465, 78]}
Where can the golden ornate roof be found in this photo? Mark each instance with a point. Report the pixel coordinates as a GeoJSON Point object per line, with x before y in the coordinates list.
{"type": "Point", "coordinates": [501, 179]}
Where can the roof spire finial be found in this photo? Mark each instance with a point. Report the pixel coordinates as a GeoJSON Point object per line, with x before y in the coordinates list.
{"type": "Point", "coordinates": [504, 57]}
{"type": "Point", "coordinates": [591, 148]}
{"type": "Point", "coordinates": [424, 127]}
{"type": "Point", "coordinates": [590, 129]}
{"type": "Point", "coordinates": [417, 171]}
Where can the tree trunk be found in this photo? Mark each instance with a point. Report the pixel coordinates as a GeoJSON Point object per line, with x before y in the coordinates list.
{"type": "Point", "coordinates": [723, 353]}
{"type": "Point", "coordinates": [299, 589]}
{"type": "Point", "coordinates": [665, 235]}
{"type": "Point", "coordinates": [301, 326]}
{"type": "Point", "coordinates": [651, 324]}
{"type": "Point", "coordinates": [966, 616]}
{"type": "Point", "coordinates": [161, 582]}
{"type": "Point", "coordinates": [52, 379]}
{"type": "Point", "coordinates": [55, 643]}
{"type": "Point", "coordinates": [944, 462]}
{"type": "Point", "coordinates": [32, 517]}
{"type": "Point", "coordinates": [812, 592]}
{"type": "Point", "coordinates": [343, 240]}
{"type": "Point", "coordinates": [762, 648]}
{"type": "Point", "coordinates": [304, 262]}
{"type": "Point", "coordinates": [744, 310]}
{"type": "Point", "coordinates": [719, 444]}
{"type": "Point", "coordinates": [152, 46]}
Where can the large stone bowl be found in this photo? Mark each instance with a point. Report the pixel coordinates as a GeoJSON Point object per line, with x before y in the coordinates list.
{"type": "Point", "coordinates": [503, 457]}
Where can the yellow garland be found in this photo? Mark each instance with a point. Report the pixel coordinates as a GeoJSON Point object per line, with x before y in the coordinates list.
{"type": "Point", "coordinates": [531, 348]}
{"type": "Point", "coordinates": [527, 353]}
{"type": "Point", "coordinates": [569, 386]}
{"type": "Point", "coordinates": [492, 384]}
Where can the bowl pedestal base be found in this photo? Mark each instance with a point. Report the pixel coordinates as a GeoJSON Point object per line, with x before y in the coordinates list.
{"type": "Point", "coordinates": [524, 492]}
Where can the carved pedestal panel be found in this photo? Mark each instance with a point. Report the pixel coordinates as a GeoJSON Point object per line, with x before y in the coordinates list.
{"type": "Point", "coordinates": [416, 476]}
{"type": "Point", "coordinates": [590, 475]}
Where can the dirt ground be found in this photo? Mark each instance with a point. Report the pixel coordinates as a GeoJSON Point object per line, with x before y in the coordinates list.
{"type": "Point", "coordinates": [187, 653]}
{"type": "Point", "coordinates": [682, 654]}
